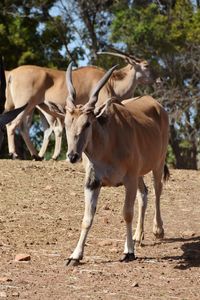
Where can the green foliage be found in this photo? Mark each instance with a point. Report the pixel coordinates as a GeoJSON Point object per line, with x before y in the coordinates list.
{"type": "Point", "coordinates": [170, 36]}
{"type": "Point", "coordinates": [154, 32]}
{"type": "Point", "coordinates": [29, 34]}
{"type": "Point", "coordinates": [165, 32]}
{"type": "Point", "coordinates": [171, 159]}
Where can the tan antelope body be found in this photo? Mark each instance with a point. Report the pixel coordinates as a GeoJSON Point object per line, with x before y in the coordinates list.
{"type": "Point", "coordinates": [34, 85]}
{"type": "Point", "coordinates": [121, 143]}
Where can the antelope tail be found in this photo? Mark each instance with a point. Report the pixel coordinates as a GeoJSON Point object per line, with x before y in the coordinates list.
{"type": "Point", "coordinates": [9, 116]}
{"type": "Point", "coordinates": [166, 174]}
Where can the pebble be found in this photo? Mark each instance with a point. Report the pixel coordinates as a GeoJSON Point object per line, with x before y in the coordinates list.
{"type": "Point", "coordinates": [73, 194]}
{"type": "Point", "coordinates": [114, 250]}
{"type": "Point", "coordinates": [135, 284]}
{"type": "Point", "coordinates": [48, 187]}
{"type": "Point", "coordinates": [106, 207]}
{"type": "Point", "coordinates": [15, 294]}
{"type": "Point", "coordinates": [22, 257]}
{"type": "Point", "coordinates": [106, 220]}
{"type": "Point", "coordinates": [5, 279]}
{"type": "Point", "coordinates": [105, 243]}
{"type": "Point", "coordinates": [188, 233]}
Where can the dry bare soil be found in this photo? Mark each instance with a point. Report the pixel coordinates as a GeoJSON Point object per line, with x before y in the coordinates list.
{"type": "Point", "coordinates": [41, 208]}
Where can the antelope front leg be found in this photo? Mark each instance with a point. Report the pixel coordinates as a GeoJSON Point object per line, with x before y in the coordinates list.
{"type": "Point", "coordinates": [131, 190]}
{"type": "Point", "coordinates": [58, 131]}
{"type": "Point", "coordinates": [91, 197]}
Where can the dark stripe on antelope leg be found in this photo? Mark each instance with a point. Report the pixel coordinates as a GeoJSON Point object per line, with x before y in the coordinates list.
{"type": "Point", "coordinates": [142, 186]}
{"type": "Point", "coordinates": [128, 257]}
{"type": "Point", "coordinates": [92, 182]}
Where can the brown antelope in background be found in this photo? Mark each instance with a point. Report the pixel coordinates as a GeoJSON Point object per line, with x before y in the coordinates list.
{"type": "Point", "coordinates": [34, 85]}
{"type": "Point", "coordinates": [120, 142]}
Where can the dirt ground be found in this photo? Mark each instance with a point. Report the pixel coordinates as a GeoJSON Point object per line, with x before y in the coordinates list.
{"type": "Point", "coordinates": [41, 209]}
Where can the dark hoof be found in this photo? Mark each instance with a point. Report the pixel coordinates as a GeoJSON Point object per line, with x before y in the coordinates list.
{"type": "Point", "coordinates": [128, 257]}
{"type": "Point", "coordinates": [54, 159]}
{"type": "Point", "coordinates": [72, 262]}
{"type": "Point", "coordinates": [37, 158]}
{"type": "Point", "coordinates": [159, 235]}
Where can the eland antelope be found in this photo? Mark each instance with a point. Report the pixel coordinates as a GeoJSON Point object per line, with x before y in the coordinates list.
{"type": "Point", "coordinates": [34, 85]}
{"type": "Point", "coordinates": [120, 143]}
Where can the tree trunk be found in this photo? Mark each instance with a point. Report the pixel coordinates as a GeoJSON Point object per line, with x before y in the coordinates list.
{"type": "Point", "coordinates": [186, 158]}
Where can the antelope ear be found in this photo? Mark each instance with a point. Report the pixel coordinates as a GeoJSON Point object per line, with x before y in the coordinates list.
{"type": "Point", "coordinates": [104, 107]}
{"type": "Point", "coordinates": [101, 112]}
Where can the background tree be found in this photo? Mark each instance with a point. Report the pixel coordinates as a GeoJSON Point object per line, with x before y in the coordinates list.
{"type": "Point", "coordinates": [31, 34]}
{"type": "Point", "coordinates": [50, 33]}
{"type": "Point", "coordinates": [169, 34]}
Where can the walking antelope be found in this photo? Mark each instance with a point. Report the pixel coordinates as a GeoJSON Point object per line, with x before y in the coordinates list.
{"type": "Point", "coordinates": [34, 85]}
{"type": "Point", "coordinates": [137, 130]}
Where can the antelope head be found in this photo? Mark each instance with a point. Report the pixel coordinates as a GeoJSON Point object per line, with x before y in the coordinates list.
{"type": "Point", "coordinates": [79, 119]}
{"type": "Point", "coordinates": [144, 74]}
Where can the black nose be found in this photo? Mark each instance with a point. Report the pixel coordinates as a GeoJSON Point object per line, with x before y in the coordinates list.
{"type": "Point", "coordinates": [73, 157]}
